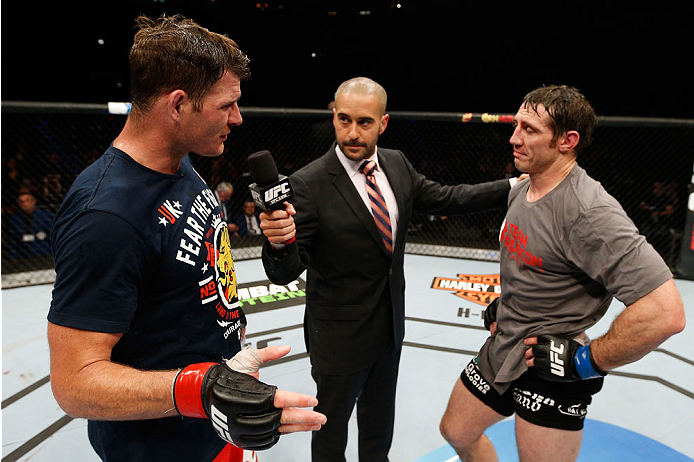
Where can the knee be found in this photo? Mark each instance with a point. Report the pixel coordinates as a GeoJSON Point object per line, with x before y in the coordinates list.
{"type": "Point", "coordinates": [452, 432]}
{"type": "Point", "coordinates": [464, 435]}
{"type": "Point", "coordinates": [444, 429]}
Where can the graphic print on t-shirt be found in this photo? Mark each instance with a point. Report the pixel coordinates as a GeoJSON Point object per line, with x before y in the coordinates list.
{"type": "Point", "coordinates": [205, 245]}
{"type": "Point", "coordinates": [224, 267]}
{"type": "Point", "coordinates": [515, 241]}
{"type": "Point", "coordinates": [170, 212]}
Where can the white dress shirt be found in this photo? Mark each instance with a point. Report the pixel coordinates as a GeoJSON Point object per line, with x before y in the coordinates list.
{"type": "Point", "coordinates": [252, 225]}
{"type": "Point", "coordinates": [359, 181]}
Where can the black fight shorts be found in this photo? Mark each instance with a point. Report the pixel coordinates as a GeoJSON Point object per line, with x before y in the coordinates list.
{"type": "Point", "coordinates": [562, 405]}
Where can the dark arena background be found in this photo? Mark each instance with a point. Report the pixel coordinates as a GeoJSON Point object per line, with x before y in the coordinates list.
{"type": "Point", "coordinates": [437, 60]}
{"type": "Point", "coordinates": [455, 73]}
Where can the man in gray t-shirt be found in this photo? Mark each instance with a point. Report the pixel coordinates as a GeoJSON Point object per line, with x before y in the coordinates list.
{"type": "Point", "coordinates": [567, 248]}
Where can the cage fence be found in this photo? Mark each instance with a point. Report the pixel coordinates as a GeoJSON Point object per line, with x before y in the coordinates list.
{"type": "Point", "coordinates": [646, 164]}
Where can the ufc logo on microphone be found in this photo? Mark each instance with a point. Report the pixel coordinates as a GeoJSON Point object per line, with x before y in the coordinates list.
{"type": "Point", "coordinates": [276, 191]}
{"type": "Point", "coordinates": [555, 359]}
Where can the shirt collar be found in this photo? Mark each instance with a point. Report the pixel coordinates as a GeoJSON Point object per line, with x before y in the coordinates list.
{"type": "Point", "coordinates": [352, 166]}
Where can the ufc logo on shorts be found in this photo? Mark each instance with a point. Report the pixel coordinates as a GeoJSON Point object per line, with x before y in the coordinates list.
{"type": "Point", "coordinates": [555, 359]}
{"type": "Point", "coordinates": [219, 422]}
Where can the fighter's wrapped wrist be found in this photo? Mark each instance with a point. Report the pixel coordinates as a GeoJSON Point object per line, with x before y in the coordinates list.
{"type": "Point", "coordinates": [240, 407]}
{"type": "Point", "coordinates": [187, 390]}
{"type": "Point", "coordinates": [564, 360]}
{"type": "Point", "coordinates": [586, 368]}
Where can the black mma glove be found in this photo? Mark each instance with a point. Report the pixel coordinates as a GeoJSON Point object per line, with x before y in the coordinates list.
{"type": "Point", "coordinates": [240, 407]}
{"type": "Point", "coordinates": [564, 360]}
{"type": "Point", "coordinates": [490, 313]}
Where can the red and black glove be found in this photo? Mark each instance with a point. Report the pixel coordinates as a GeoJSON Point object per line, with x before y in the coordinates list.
{"type": "Point", "coordinates": [240, 407]}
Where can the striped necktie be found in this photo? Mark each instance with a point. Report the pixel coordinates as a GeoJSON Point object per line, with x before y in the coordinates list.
{"type": "Point", "coordinates": [378, 204]}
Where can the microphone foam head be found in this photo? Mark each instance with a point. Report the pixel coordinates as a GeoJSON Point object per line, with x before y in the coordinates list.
{"type": "Point", "coordinates": [263, 168]}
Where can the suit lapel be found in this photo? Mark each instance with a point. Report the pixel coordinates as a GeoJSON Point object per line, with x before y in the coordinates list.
{"type": "Point", "coordinates": [396, 179]}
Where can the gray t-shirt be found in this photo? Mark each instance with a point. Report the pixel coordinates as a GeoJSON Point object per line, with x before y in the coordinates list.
{"type": "Point", "coordinates": [563, 258]}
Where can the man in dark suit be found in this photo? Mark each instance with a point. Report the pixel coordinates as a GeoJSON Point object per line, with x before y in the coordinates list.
{"type": "Point", "coordinates": [30, 228]}
{"type": "Point", "coordinates": [355, 314]}
{"type": "Point", "coordinates": [223, 193]}
{"type": "Point", "coordinates": [247, 220]}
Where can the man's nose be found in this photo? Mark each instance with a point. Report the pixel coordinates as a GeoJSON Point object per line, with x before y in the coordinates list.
{"type": "Point", "coordinates": [353, 132]}
{"type": "Point", "coordinates": [235, 116]}
{"type": "Point", "coordinates": [515, 137]}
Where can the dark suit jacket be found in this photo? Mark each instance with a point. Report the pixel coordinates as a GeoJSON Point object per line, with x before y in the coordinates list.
{"type": "Point", "coordinates": [240, 221]}
{"type": "Point", "coordinates": [355, 293]}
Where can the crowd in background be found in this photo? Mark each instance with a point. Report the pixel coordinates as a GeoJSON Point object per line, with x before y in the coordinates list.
{"type": "Point", "coordinates": [33, 185]}
{"type": "Point", "coordinates": [33, 190]}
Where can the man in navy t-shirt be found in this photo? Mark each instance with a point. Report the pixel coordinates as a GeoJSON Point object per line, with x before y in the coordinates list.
{"type": "Point", "coordinates": [145, 309]}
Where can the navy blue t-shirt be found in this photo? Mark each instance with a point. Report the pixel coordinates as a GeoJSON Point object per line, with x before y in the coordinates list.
{"type": "Point", "coordinates": [147, 255]}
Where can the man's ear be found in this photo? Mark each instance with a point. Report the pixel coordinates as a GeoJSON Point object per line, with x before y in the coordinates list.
{"type": "Point", "coordinates": [569, 141]}
{"type": "Point", "coordinates": [384, 123]}
{"type": "Point", "coordinates": [175, 101]}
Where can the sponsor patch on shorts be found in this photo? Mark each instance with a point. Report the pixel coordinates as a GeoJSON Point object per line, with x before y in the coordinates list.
{"type": "Point", "coordinates": [531, 401]}
{"type": "Point", "coordinates": [476, 379]}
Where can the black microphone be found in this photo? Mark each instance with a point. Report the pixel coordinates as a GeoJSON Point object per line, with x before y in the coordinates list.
{"type": "Point", "coordinates": [270, 189]}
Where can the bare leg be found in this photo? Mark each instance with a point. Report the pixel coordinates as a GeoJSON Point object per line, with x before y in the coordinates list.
{"type": "Point", "coordinates": [542, 444]}
{"type": "Point", "coordinates": [463, 425]}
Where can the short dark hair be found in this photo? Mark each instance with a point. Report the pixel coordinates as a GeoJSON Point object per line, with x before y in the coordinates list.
{"type": "Point", "coordinates": [174, 52]}
{"type": "Point", "coordinates": [568, 110]}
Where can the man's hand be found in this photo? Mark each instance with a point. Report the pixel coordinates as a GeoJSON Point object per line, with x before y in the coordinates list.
{"type": "Point", "coordinates": [293, 419]}
{"type": "Point", "coordinates": [278, 225]}
{"type": "Point", "coordinates": [244, 411]}
{"type": "Point", "coordinates": [490, 316]}
{"type": "Point", "coordinates": [240, 407]}
{"type": "Point", "coordinates": [561, 359]}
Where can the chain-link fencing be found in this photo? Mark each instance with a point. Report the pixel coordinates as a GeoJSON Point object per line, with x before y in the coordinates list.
{"type": "Point", "coordinates": [646, 164]}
